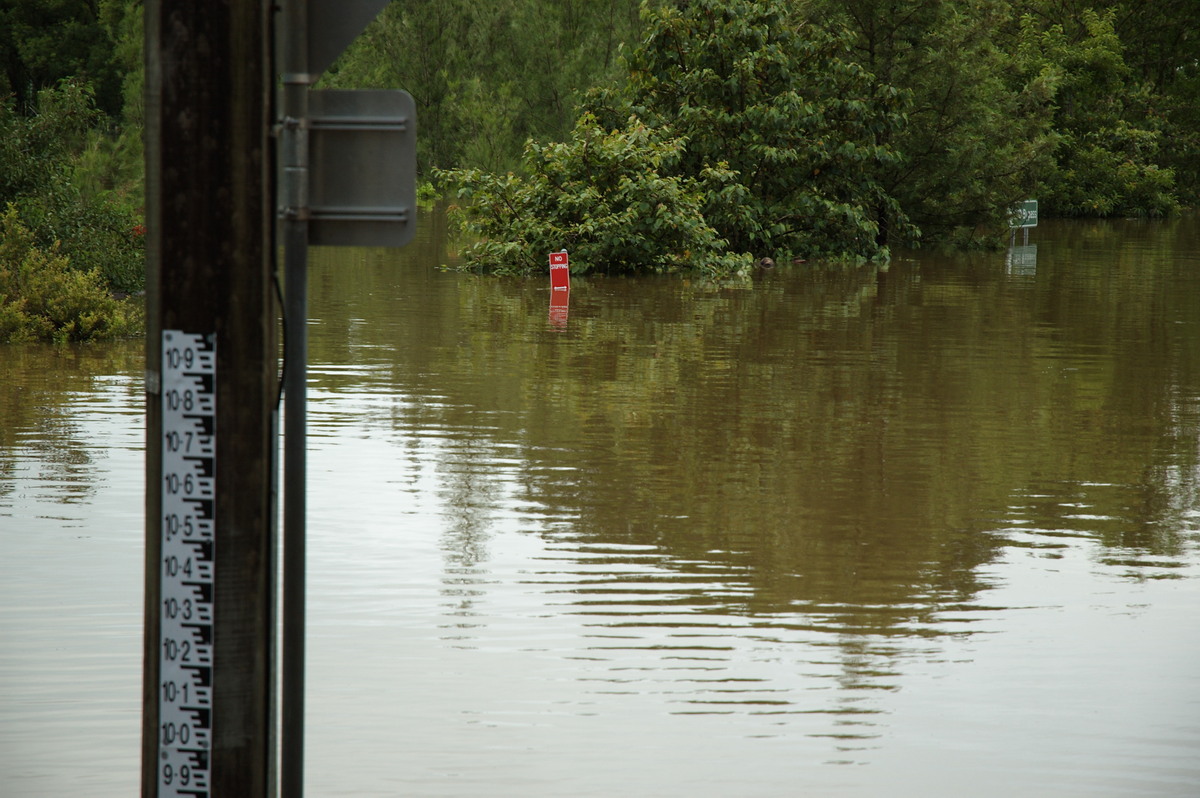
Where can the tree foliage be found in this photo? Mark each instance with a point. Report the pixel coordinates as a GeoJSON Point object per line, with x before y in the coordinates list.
{"type": "Point", "coordinates": [487, 76]}
{"type": "Point", "coordinates": [777, 100]}
{"type": "Point", "coordinates": [39, 164]}
{"type": "Point", "coordinates": [1162, 47]}
{"type": "Point", "coordinates": [839, 126]}
{"type": "Point", "coordinates": [989, 92]}
{"type": "Point", "coordinates": [975, 139]}
{"type": "Point", "coordinates": [1108, 158]}
{"type": "Point", "coordinates": [608, 196]}
{"type": "Point", "coordinates": [800, 126]}
{"type": "Point", "coordinates": [771, 146]}
{"type": "Point", "coordinates": [43, 42]}
{"type": "Point", "coordinates": [42, 297]}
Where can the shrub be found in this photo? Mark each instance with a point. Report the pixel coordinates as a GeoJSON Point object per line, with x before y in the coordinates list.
{"type": "Point", "coordinates": [606, 196]}
{"type": "Point", "coordinates": [43, 298]}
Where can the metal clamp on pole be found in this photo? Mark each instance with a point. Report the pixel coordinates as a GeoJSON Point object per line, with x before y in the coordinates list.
{"type": "Point", "coordinates": [293, 153]}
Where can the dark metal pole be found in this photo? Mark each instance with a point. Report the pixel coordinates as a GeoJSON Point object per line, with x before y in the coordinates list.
{"type": "Point", "coordinates": [294, 507]}
{"type": "Point", "coordinates": [294, 144]}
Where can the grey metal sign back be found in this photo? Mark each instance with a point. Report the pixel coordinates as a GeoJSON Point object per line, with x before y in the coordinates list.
{"type": "Point", "coordinates": [363, 162]}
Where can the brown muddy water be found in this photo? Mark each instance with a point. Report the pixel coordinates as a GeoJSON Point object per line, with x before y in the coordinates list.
{"type": "Point", "coordinates": [928, 530]}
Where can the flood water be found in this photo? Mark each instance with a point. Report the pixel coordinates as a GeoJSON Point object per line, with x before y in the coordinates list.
{"type": "Point", "coordinates": [928, 530]}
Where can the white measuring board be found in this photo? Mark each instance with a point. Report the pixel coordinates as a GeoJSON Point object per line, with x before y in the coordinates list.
{"type": "Point", "coordinates": [186, 570]}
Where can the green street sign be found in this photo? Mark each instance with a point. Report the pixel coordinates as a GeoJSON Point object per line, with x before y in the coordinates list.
{"type": "Point", "coordinates": [1024, 214]}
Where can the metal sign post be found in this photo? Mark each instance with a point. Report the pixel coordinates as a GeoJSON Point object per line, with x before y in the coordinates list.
{"type": "Point", "coordinates": [347, 176]}
{"type": "Point", "coordinates": [209, 718]}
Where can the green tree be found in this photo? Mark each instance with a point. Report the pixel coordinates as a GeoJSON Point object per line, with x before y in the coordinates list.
{"type": "Point", "coordinates": [976, 140]}
{"type": "Point", "coordinates": [111, 162]}
{"type": "Point", "coordinates": [45, 41]}
{"type": "Point", "coordinates": [39, 156]}
{"type": "Point", "coordinates": [487, 76]}
{"type": "Point", "coordinates": [1162, 47]}
{"type": "Point", "coordinates": [1107, 162]}
{"type": "Point", "coordinates": [1159, 37]}
{"type": "Point", "coordinates": [755, 88]}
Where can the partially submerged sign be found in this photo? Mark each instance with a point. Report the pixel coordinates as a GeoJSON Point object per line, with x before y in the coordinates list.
{"type": "Point", "coordinates": [1024, 214]}
{"type": "Point", "coordinates": [560, 305]}
{"type": "Point", "coordinates": [560, 288]}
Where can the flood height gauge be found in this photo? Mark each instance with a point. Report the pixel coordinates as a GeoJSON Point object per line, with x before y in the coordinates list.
{"type": "Point", "coordinates": [186, 567]}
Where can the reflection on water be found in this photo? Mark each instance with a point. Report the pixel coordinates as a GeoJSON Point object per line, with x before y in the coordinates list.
{"type": "Point", "coordinates": [828, 531]}
{"type": "Point", "coordinates": [71, 439]}
{"type": "Point", "coordinates": [710, 520]}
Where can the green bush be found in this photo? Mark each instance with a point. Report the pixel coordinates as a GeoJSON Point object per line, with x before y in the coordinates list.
{"type": "Point", "coordinates": [606, 196]}
{"type": "Point", "coordinates": [43, 298]}
{"type": "Point", "coordinates": [94, 233]}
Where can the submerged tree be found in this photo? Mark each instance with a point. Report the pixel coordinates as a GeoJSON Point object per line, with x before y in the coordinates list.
{"type": "Point", "coordinates": [780, 101]}
{"type": "Point", "coordinates": [1108, 160]}
{"type": "Point", "coordinates": [608, 196]}
{"type": "Point", "coordinates": [978, 136]}
{"type": "Point", "coordinates": [754, 118]}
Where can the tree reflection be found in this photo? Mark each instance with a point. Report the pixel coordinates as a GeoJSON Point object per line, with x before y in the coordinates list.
{"type": "Point", "coordinates": [42, 433]}
{"type": "Point", "coordinates": [851, 438]}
